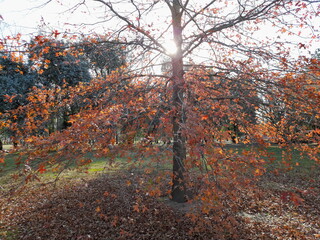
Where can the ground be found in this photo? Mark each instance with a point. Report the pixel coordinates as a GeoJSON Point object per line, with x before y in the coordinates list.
{"type": "Point", "coordinates": [104, 206]}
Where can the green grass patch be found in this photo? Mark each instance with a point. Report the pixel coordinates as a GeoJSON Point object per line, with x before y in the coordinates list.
{"type": "Point", "coordinates": [276, 158]}
{"type": "Point", "coordinates": [152, 161]}
{"type": "Point", "coordinates": [11, 172]}
{"type": "Point", "coordinates": [289, 159]}
{"type": "Point", "coordinates": [7, 147]}
{"type": "Point", "coordinates": [9, 234]}
{"type": "Point", "coordinates": [142, 161]}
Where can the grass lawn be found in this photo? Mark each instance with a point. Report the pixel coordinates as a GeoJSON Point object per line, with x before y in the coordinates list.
{"type": "Point", "coordinates": [282, 159]}
{"type": "Point", "coordinates": [99, 165]}
{"type": "Point", "coordinates": [277, 159]}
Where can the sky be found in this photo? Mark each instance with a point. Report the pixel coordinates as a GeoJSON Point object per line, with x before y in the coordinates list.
{"type": "Point", "coordinates": [29, 16]}
{"type": "Point", "coordinates": [21, 16]}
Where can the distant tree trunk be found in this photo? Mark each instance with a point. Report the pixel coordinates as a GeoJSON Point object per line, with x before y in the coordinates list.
{"type": "Point", "coordinates": [117, 135]}
{"type": "Point", "coordinates": [179, 116]}
{"type": "Point", "coordinates": [128, 132]}
{"type": "Point", "coordinates": [1, 145]}
{"type": "Point", "coordinates": [15, 143]}
{"type": "Point", "coordinates": [234, 133]}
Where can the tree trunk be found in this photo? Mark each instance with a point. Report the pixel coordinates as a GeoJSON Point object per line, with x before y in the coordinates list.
{"type": "Point", "coordinates": [1, 145]}
{"type": "Point", "coordinates": [179, 115]}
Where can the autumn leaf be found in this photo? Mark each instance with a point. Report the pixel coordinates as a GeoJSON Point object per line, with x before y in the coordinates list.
{"type": "Point", "coordinates": [55, 33]}
{"type": "Point", "coordinates": [136, 208]}
{"type": "Point", "coordinates": [106, 194]}
{"type": "Point", "coordinates": [204, 117]}
{"type": "Point", "coordinates": [98, 209]}
{"type": "Point", "coordinates": [258, 172]}
{"type": "Point", "coordinates": [42, 168]}
{"type": "Point", "coordinates": [283, 30]}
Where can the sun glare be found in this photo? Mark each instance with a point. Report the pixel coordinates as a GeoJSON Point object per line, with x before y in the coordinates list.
{"type": "Point", "coordinates": [170, 47]}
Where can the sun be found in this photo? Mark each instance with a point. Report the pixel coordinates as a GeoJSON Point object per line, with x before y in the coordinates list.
{"type": "Point", "coordinates": [170, 47]}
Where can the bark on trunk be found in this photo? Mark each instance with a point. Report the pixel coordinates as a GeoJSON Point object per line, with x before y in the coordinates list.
{"type": "Point", "coordinates": [179, 116]}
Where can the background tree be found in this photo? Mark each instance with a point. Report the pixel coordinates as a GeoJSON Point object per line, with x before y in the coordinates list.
{"type": "Point", "coordinates": [287, 109]}
{"type": "Point", "coordinates": [316, 54]}
{"type": "Point", "coordinates": [16, 81]}
{"type": "Point", "coordinates": [56, 63]}
{"type": "Point", "coordinates": [104, 55]}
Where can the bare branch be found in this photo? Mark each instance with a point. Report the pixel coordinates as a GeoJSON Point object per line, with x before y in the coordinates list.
{"type": "Point", "coordinates": [193, 17]}
{"type": "Point", "coordinates": [133, 26]}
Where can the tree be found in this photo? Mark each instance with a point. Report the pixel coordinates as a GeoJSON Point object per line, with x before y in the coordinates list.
{"type": "Point", "coordinates": [206, 25]}
{"type": "Point", "coordinates": [286, 111]}
{"type": "Point", "coordinates": [57, 63]}
{"type": "Point", "coordinates": [226, 33]}
{"type": "Point", "coordinates": [104, 56]}
{"type": "Point", "coordinates": [16, 81]}
{"type": "Point", "coordinates": [316, 54]}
